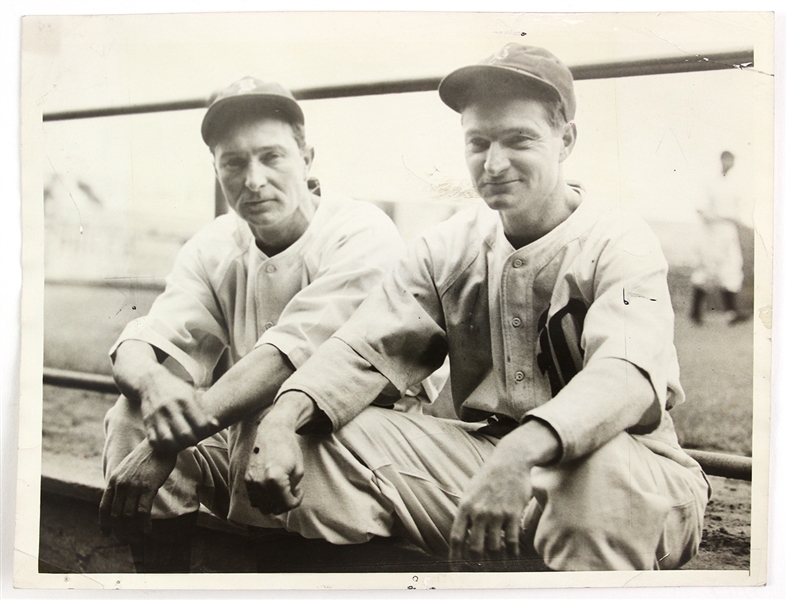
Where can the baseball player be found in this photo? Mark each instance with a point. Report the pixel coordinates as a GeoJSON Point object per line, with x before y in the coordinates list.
{"type": "Point", "coordinates": [720, 259]}
{"type": "Point", "coordinates": [257, 291]}
{"type": "Point", "coordinates": [553, 309]}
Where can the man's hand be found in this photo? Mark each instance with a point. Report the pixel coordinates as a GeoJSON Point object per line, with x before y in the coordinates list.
{"type": "Point", "coordinates": [275, 468]}
{"type": "Point", "coordinates": [489, 519]}
{"type": "Point", "coordinates": [173, 415]}
{"type": "Point", "coordinates": [128, 497]}
{"type": "Point", "coordinates": [171, 408]}
{"type": "Point", "coordinates": [276, 464]}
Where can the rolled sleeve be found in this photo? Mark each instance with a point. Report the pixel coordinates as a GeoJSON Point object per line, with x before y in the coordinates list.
{"type": "Point", "coordinates": [185, 321]}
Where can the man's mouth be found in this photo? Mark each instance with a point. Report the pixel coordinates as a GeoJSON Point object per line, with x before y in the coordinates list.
{"type": "Point", "coordinates": [499, 183]}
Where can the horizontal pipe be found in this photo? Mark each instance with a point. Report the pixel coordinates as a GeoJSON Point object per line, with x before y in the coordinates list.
{"type": "Point", "coordinates": [686, 63]}
{"type": "Point", "coordinates": [730, 466]}
{"type": "Point", "coordinates": [92, 382]}
{"type": "Point", "coordinates": [713, 463]}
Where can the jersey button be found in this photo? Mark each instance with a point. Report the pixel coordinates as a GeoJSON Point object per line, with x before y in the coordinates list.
{"type": "Point", "coordinates": [518, 262]}
{"type": "Point", "coordinates": [516, 321]}
{"type": "Point", "coordinates": [519, 375]}
{"type": "Point", "coordinates": [268, 325]}
{"type": "Point", "coordinates": [270, 269]}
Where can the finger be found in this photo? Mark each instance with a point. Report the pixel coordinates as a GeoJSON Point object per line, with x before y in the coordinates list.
{"type": "Point", "coordinates": [182, 433]}
{"type": "Point", "coordinates": [458, 531]}
{"type": "Point", "coordinates": [196, 419]}
{"type": "Point", "coordinates": [145, 508]}
{"type": "Point", "coordinates": [132, 499]}
{"type": "Point", "coordinates": [494, 537]}
{"type": "Point", "coordinates": [474, 545]}
{"type": "Point", "coordinates": [119, 501]}
{"type": "Point", "coordinates": [291, 499]}
{"type": "Point", "coordinates": [512, 531]}
{"type": "Point", "coordinates": [105, 510]}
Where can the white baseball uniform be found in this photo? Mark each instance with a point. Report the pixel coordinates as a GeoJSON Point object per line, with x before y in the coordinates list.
{"type": "Point", "coordinates": [541, 332]}
{"type": "Point", "coordinates": [226, 294]}
{"type": "Point", "coordinates": [719, 251]}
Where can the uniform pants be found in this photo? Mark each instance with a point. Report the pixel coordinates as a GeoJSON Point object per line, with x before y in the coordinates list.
{"type": "Point", "coordinates": [388, 473]}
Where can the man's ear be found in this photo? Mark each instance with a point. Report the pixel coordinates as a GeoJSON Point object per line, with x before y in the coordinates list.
{"type": "Point", "coordinates": [308, 159]}
{"type": "Point", "coordinates": [569, 139]}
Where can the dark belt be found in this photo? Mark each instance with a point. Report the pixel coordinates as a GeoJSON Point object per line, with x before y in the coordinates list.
{"type": "Point", "coordinates": [498, 426]}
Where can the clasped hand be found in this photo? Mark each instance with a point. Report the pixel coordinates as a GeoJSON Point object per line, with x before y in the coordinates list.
{"type": "Point", "coordinates": [275, 468]}
{"type": "Point", "coordinates": [173, 416]}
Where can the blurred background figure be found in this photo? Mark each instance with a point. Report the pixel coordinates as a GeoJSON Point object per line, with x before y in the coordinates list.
{"type": "Point", "coordinates": [720, 262]}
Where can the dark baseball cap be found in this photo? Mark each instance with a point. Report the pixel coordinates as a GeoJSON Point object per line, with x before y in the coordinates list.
{"type": "Point", "coordinates": [515, 64]}
{"type": "Point", "coordinates": [249, 95]}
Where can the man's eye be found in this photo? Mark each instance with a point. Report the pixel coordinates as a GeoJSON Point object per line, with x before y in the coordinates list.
{"type": "Point", "coordinates": [234, 163]}
{"type": "Point", "coordinates": [520, 141]}
{"type": "Point", "coordinates": [477, 144]}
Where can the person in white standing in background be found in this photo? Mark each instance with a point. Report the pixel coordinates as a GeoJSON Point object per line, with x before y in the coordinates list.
{"type": "Point", "coordinates": [720, 262]}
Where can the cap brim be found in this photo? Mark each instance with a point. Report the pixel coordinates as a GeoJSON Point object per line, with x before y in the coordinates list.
{"type": "Point", "coordinates": [230, 109]}
{"type": "Point", "coordinates": [456, 88]}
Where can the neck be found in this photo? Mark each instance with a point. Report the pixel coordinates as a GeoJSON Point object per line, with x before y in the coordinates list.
{"type": "Point", "coordinates": [277, 238]}
{"type": "Point", "coordinates": [523, 228]}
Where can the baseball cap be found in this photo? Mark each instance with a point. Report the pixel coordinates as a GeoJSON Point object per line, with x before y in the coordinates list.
{"type": "Point", "coordinates": [249, 95]}
{"type": "Point", "coordinates": [515, 63]}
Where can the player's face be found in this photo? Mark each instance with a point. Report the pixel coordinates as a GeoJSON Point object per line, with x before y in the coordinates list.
{"type": "Point", "coordinates": [514, 154]}
{"type": "Point", "coordinates": [263, 173]}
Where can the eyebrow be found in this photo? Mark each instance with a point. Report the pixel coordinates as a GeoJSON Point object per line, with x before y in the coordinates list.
{"type": "Point", "coordinates": [258, 149]}
{"type": "Point", "coordinates": [505, 132]}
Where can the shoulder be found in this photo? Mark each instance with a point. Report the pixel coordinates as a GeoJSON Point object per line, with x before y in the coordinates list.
{"type": "Point", "coordinates": [340, 218]}
{"type": "Point", "coordinates": [448, 248]}
{"type": "Point", "coordinates": [466, 231]}
{"type": "Point", "coordinates": [345, 211]}
{"type": "Point", "coordinates": [218, 243]}
{"type": "Point", "coordinates": [618, 231]}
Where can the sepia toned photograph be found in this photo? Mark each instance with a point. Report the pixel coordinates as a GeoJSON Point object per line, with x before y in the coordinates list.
{"type": "Point", "coordinates": [391, 300]}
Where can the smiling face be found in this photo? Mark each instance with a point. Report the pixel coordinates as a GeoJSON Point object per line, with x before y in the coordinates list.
{"type": "Point", "coordinates": [514, 154]}
{"type": "Point", "coordinates": [263, 173]}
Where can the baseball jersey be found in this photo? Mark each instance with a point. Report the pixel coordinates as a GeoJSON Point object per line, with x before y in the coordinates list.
{"type": "Point", "coordinates": [224, 293]}
{"type": "Point", "coordinates": [535, 332]}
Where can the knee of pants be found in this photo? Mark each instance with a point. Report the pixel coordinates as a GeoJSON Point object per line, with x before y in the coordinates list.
{"type": "Point", "coordinates": [124, 413]}
{"type": "Point", "coordinates": [603, 511]}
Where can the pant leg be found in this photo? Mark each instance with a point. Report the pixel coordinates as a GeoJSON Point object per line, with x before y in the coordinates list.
{"type": "Point", "coordinates": [622, 507]}
{"type": "Point", "coordinates": [200, 474]}
{"type": "Point", "coordinates": [385, 473]}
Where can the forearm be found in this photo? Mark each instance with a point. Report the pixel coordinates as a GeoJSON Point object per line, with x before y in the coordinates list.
{"type": "Point", "coordinates": [292, 411]}
{"type": "Point", "coordinates": [598, 404]}
{"type": "Point", "coordinates": [137, 370]}
{"type": "Point", "coordinates": [248, 387]}
{"type": "Point", "coordinates": [532, 444]}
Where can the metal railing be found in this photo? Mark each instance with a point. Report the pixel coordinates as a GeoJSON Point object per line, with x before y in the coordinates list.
{"type": "Point", "coordinates": [714, 463]}
{"type": "Point", "coordinates": [685, 63]}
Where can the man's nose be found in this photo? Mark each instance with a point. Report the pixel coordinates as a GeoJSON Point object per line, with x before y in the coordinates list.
{"type": "Point", "coordinates": [256, 177]}
{"type": "Point", "coordinates": [496, 160]}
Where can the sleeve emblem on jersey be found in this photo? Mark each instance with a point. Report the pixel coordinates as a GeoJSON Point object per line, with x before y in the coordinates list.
{"type": "Point", "coordinates": [560, 355]}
